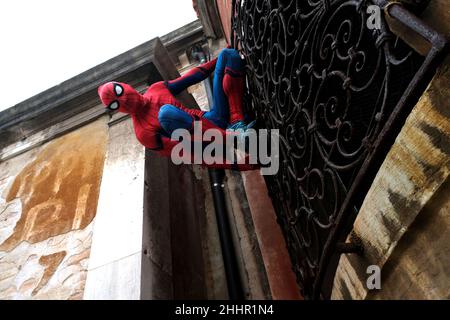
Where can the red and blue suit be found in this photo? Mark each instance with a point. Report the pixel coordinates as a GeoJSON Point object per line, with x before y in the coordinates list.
{"type": "Point", "coordinates": [157, 112]}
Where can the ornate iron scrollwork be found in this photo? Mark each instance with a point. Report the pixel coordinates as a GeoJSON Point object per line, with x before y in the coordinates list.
{"type": "Point", "coordinates": [330, 83]}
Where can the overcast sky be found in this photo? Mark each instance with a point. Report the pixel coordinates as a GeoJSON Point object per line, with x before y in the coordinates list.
{"type": "Point", "coordinates": [45, 42]}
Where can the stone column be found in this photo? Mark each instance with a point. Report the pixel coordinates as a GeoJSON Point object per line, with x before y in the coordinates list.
{"type": "Point", "coordinates": [114, 270]}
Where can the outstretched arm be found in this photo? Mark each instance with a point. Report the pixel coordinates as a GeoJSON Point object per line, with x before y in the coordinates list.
{"type": "Point", "coordinates": [191, 77]}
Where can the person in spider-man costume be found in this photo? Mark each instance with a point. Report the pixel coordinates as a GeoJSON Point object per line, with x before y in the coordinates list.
{"type": "Point", "coordinates": [157, 113]}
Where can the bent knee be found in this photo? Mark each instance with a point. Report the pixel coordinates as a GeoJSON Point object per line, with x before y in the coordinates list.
{"type": "Point", "coordinates": [167, 112]}
{"type": "Point", "coordinates": [232, 59]}
{"type": "Point", "coordinates": [172, 118]}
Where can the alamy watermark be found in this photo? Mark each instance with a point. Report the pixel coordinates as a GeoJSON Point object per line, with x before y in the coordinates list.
{"type": "Point", "coordinates": [249, 147]}
{"type": "Point", "coordinates": [374, 279]}
{"type": "Point", "coordinates": [374, 19]}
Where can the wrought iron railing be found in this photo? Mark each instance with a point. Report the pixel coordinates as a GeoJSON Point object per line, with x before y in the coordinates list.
{"type": "Point", "coordinates": [339, 90]}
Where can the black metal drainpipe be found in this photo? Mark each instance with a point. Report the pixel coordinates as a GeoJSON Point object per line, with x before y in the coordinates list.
{"type": "Point", "coordinates": [216, 176]}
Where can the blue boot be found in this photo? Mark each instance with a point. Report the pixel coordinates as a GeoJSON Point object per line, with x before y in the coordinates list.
{"type": "Point", "coordinates": [241, 126]}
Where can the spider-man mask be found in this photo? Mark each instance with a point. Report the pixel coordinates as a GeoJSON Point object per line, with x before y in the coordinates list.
{"type": "Point", "coordinates": [120, 96]}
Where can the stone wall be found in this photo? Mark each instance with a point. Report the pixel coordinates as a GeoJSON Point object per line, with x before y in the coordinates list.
{"type": "Point", "coordinates": [48, 201]}
{"type": "Point", "coordinates": [114, 270]}
{"type": "Point", "coordinates": [419, 266]}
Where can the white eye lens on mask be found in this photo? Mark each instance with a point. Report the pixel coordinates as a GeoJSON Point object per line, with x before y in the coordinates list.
{"type": "Point", "coordinates": [118, 90]}
{"type": "Point", "coordinates": [113, 105]}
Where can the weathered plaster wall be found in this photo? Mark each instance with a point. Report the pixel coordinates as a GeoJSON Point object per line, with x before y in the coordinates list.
{"type": "Point", "coordinates": [437, 15]}
{"type": "Point", "coordinates": [48, 200]}
{"type": "Point", "coordinates": [403, 222]}
{"type": "Point", "coordinates": [419, 266]}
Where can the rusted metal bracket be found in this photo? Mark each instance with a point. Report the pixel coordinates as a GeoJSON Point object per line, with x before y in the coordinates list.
{"type": "Point", "coordinates": [355, 245]}
{"type": "Point", "coordinates": [349, 247]}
